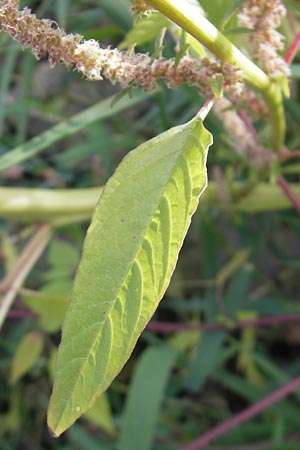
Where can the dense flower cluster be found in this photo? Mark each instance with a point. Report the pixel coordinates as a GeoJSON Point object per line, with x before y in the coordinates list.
{"type": "Point", "coordinates": [263, 17]}
{"type": "Point", "coordinates": [94, 62]}
{"type": "Point", "coordinates": [141, 70]}
{"type": "Point", "coordinates": [42, 36]}
{"type": "Point", "coordinates": [244, 141]}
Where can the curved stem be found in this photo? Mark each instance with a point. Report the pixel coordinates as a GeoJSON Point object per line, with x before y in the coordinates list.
{"type": "Point", "coordinates": [243, 416]}
{"type": "Point", "coordinates": [192, 21]}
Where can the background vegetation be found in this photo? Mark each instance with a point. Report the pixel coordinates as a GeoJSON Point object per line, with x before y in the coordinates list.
{"type": "Point", "coordinates": [240, 261]}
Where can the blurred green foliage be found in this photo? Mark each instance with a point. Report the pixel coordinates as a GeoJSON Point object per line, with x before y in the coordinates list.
{"type": "Point", "coordinates": [205, 377]}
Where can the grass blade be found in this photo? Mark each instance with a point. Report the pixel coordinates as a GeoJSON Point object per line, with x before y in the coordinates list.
{"type": "Point", "coordinates": [145, 396]}
{"type": "Point", "coordinates": [74, 124]}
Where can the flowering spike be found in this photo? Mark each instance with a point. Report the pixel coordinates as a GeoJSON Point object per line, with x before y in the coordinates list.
{"type": "Point", "coordinates": [262, 17]}
{"type": "Point", "coordinates": [94, 62]}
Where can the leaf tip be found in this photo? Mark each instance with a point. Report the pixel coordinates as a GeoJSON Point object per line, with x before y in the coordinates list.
{"type": "Point", "coordinates": [53, 425]}
{"type": "Point", "coordinates": [52, 432]}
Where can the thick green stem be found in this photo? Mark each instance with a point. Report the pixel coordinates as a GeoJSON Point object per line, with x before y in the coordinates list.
{"type": "Point", "coordinates": [46, 205]}
{"type": "Point", "coordinates": [274, 100]}
{"type": "Point", "coordinates": [192, 21]}
{"type": "Point", "coordinates": [61, 207]}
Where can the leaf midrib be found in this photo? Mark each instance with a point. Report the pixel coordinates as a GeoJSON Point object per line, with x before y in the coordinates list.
{"type": "Point", "coordinates": [95, 340]}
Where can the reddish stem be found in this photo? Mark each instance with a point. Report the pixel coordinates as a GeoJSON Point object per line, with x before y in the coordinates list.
{"type": "Point", "coordinates": [245, 415]}
{"type": "Point", "coordinates": [20, 314]}
{"type": "Point", "coordinates": [292, 50]}
{"type": "Point", "coordinates": [289, 154]}
{"type": "Point", "coordinates": [247, 122]}
{"type": "Point", "coordinates": [288, 192]}
{"type": "Point", "coordinates": [169, 327]}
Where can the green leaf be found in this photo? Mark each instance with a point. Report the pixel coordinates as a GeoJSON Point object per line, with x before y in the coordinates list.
{"type": "Point", "coordinates": [51, 362]}
{"type": "Point", "coordinates": [50, 308]}
{"type": "Point", "coordinates": [11, 420]}
{"type": "Point", "coordinates": [205, 359]}
{"type": "Point", "coordinates": [144, 400]}
{"type": "Point", "coordinates": [194, 45]}
{"type": "Point", "coordinates": [217, 10]}
{"type": "Point", "coordinates": [145, 30]}
{"type": "Point", "coordinates": [129, 255]}
{"type": "Point", "coordinates": [239, 258]}
{"type": "Point", "coordinates": [63, 256]}
{"type": "Point", "coordinates": [27, 353]}
{"type": "Point", "coordinates": [83, 440]}
{"type": "Point", "coordinates": [101, 415]}
{"type": "Point", "coordinates": [216, 85]}
{"type": "Point", "coordinates": [66, 128]}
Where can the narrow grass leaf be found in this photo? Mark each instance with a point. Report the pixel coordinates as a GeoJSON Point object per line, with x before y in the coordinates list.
{"type": "Point", "coordinates": [205, 359]}
{"type": "Point", "coordinates": [62, 8]}
{"type": "Point", "coordinates": [74, 124]}
{"type": "Point", "coordinates": [101, 415]}
{"type": "Point", "coordinates": [28, 64]}
{"type": "Point", "coordinates": [50, 308]}
{"type": "Point", "coordinates": [145, 397]}
{"type": "Point", "coordinates": [84, 441]}
{"type": "Point", "coordinates": [26, 355]}
{"type": "Point", "coordinates": [228, 269]}
{"type": "Point", "coordinates": [128, 258]}
{"type": "Point", "coordinates": [7, 71]}
{"type": "Point", "coordinates": [235, 298]}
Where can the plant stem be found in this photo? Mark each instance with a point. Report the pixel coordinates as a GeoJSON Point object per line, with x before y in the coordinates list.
{"type": "Point", "coordinates": [171, 327]}
{"type": "Point", "coordinates": [192, 21]}
{"type": "Point", "coordinates": [289, 154]}
{"type": "Point", "coordinates": [64, 206]}
{"type": "Point", "coordinates": [242, 417]}
{"type": "Point", "coordinates": [47, 205]}
{"type": "Point", "coordinates": [205, 109]}
{"type": "Point", "coordinates": [293, 49]}
{"type": "Point", "coordinates": [28, 257]}
{"type": "Point", "coordinates": [290, 195]}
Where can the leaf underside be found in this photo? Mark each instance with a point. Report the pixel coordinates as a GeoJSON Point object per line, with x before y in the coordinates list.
{"type": "Point", "coordinates": [129, 254]}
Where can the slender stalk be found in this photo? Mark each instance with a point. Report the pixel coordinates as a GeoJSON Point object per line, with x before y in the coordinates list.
{"type": "Point", "coordinates": [266, 444]}
{"type": "Point", "coordinates": [242, 417]}
{"type": "Point", "coordinates": [202, 113]}
{"type": "Point", "coordinates": [170, 327]}
{"type": "Point", "coordinates": [289, 154]}
{"type": "Point", "coordinates": [293, 49]}
{"type": "Point", "coordinates": [192, 21]}
{"type": "Point", "coordinates": [21, 314]}
{"type": "Point", "coordinates": [290, 195]}
{"type": "Point", "coordinates": [28, 257]}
